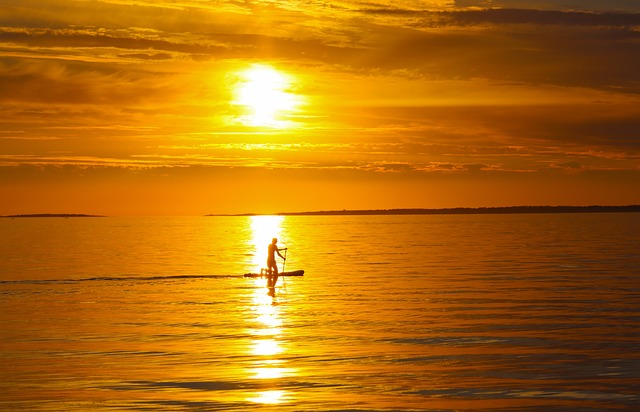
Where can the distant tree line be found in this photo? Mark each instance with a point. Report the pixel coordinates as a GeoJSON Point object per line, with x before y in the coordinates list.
{"type": "Point", "coordinates": [474, 210]}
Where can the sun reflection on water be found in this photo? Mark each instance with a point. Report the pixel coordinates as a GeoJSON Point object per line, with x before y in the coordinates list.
{"type": "Point", "coordinates": [270, 320]}
{"type": "Point", "coordinates": [267, 329]}
{"type": "Point", "coordinates": [267, 326]}
{"type": "Point", "coordinates": [270, 373]}
{"type": "Point", "coordinates": [266, 347]}
{"type": "Point", "coordinates": [269, 397]}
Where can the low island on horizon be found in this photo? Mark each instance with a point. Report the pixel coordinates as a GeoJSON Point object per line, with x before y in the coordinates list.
{"type": "Point", "coordinates": [458, 211]}
{"type": "Point", "coordinates": [51, 215]}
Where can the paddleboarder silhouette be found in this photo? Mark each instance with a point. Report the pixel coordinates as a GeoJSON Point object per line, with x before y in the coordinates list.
{"type": "Point", "coordinates": [272, 266]}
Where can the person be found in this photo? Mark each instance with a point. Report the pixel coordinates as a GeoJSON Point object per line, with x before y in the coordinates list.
{"type": "Point", "coordinates": [272, 266]}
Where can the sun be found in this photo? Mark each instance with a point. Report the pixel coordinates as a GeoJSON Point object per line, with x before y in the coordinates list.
{"type": "Point", "coordinates": [265, 95]}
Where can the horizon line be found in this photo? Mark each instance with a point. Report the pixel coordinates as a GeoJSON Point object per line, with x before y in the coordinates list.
{"type": "Point", "coordinates": [521, 209]}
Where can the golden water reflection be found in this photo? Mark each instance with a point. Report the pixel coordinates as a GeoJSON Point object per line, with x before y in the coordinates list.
{"type": "Point", "coordinates": [271, 373]}
{"type": "Point", "coordinates": [267, 347]}
{"type": "Point", "coordinates": [269, 397]}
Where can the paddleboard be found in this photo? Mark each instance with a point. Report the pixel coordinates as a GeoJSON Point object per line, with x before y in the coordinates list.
{"type": "Point", "coordinates": [264, 275]}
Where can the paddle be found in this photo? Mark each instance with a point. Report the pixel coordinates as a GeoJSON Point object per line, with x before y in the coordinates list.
{"type": "Point", "coordinates": [284, 282]}
{"type": "Point", "coordinates": [285, 259]}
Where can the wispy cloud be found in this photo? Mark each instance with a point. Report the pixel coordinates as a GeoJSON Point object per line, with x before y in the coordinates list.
{"type": "Point", "coordinates": [582, 5]}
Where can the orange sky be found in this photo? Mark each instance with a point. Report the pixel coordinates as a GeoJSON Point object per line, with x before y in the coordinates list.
{"type": "Point", "coordinates": [123, 107]}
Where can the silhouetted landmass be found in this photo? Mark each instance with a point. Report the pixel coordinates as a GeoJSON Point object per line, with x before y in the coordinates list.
{"type": "Point", "coordinates": [53, 215]}
{"type": "Point", "coordinates": [464, 211]}
{"type": "Point", "coordinates": [475, 210]}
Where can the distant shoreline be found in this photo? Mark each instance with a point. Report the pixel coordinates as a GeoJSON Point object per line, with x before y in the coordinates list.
{"type": "Point", "coordinates": [50, 215]}
{"type": "Point", "coordinates": [459, 211]}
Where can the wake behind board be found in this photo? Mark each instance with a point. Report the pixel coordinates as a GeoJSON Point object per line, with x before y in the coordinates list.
{"type": "Point", "coordinates": [264, 275]}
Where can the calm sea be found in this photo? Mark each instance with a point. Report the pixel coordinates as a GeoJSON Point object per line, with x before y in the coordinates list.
{"type": "Point", "coordinates": [394, 313]}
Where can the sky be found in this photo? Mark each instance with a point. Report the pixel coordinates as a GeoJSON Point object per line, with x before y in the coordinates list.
{"type": "Point", "coordinates": [191, 107]}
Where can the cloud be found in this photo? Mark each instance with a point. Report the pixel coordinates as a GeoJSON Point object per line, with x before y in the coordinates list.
{"type": "Point", "coordinates": [492, 43]}
{"type": "Point", "coordinates": [569, 165]}
{"type": "Point", "coordinates": [582, 5]}
{"type": "Point", "coordinates": [147, 56]}
{"type": "Point", "coordinates": [573, 49]}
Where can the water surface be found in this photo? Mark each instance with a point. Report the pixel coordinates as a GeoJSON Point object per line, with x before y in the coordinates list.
{"type": "Point", "coordinates": [403, 313]}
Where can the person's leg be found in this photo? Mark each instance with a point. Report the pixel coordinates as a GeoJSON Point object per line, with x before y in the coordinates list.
{"type": "Point", "coordinates": [275, 276]}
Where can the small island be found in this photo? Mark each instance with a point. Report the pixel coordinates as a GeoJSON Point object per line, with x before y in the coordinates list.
{"type": "Point", "coordinates": [51, 215]}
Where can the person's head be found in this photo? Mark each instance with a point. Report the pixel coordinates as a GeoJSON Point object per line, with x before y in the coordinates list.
{"type": "Point", "coordinates": [274, 240]}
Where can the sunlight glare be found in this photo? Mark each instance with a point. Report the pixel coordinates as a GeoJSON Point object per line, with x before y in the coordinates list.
{"type": "Point", "coordinates": [266, 347]}
{"type": "Point", "coordinates": [270, 320]}
{"type": "Point", "coordinates": [270, 373]}
{"type": "Point", "coordinates": [265, 93]}
{"type": "Point", "coordinates": [269, 397]}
